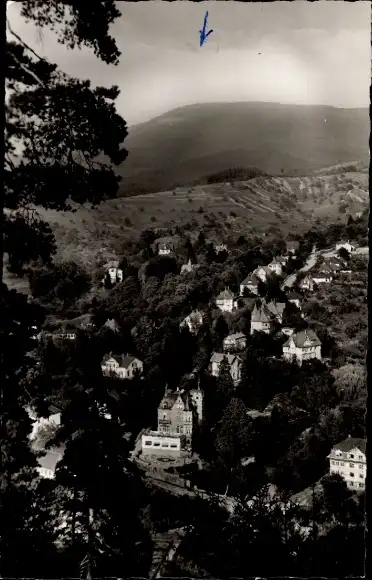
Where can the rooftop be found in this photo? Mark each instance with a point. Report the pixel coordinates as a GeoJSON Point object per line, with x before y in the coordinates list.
{"type": "Point", "coordinates": [351, 443]}
{"type": "Point", "coordinates": [225, 295]}
{"type": "Point", "coordinates": [301, 337]}
{"type": "Point", "coordinates": [124, 360]}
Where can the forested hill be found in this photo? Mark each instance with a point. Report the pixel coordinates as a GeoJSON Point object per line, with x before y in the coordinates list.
{"type": "Point", "coordinates": [188, 144]}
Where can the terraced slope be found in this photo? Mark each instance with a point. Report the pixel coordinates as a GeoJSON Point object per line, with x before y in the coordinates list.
{"type": "Point", "coordinates": [258, 205]}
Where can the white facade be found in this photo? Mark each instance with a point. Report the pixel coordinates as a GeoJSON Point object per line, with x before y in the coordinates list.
{"type": "Point", "coordinates": [351, 465]}
{"type": "Point", "coordinates": [233, 361]}
{"type": "Point", "coordinates": [237, 340]}
{"type": "Point", "coordinates": [322, 278]}
{"type": "Point", "coordinates": [261, 326]}
{"type": "Point", "coordinates": [226, 302]}
{"type": "Point", "coordinates": [193, 321]}
{"type": "Point", "coordinates": [306, 352]}
{"type": "Point", "coordinates": [112, 367]}
{"type": "Point", "coordinates": [276, 267]}
{"type": "Point", "coordinates": [163, 444]}
{"type": "Point", "coordinates": [287, 330]}
{"type": "Point", "coordinates": [307, 283]}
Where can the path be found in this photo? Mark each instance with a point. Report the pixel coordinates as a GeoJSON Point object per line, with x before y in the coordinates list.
{"type": "Point", "coordinates": [310, 262]}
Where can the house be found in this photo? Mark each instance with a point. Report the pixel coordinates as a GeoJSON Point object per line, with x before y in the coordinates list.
{"type": "Point", "coordinates": [113, 271]}
{"type": "Point", "coordinates": [307, 283]}
{"type": "Point", "coordinates": [175, 413]}
{"type": "Point", "coordinates": [66, 333]}
{"type": "Point", "coordinates": [226, 301]}
{"type": "Point", "coordinates": [348, 459]}
{"type": "Point", "coordinates": [189, 267]}
{"type": "Point", "coordinates": [323, 275]}
{"type": "Point", "coordinates": [336, 265]}
{"type": "Point", "coordinates": [276, 309]}
{"type": "Point", "coordinates": [193, 321]}
{"type": "Point", "coordinates": [47, 464]}
{"type": "Point", "coordinates": [262, 319]}
{"type": "Point", "coordinates": [163, 444]}
{"type": "Point", "coordinates": [292, 247]}
{"type": "Point", "coordinates": [165, 248]}
{"type": "Point", "coordinates": [123, 366]}
{"type": "Point", "coordinates": [250, 283]}
{"type": "Point", "coordinates": [276, 266]}
{"type": "Point", "coordinates": [54, 419]}
{"type": "Point", "coordinates": [236, 341]}
{"type": "Point", "coordinates": [111, 324]}
{"type": "Point", "coordinates": [263, 272]}
{"type": "Point", "coordinates": [303, 345]}
{"type": "Point", "coordinates": [347, 245]}
{"type": "Point", "coordinates": [295, 298]}
{"type": "Point", "coordinates": [233, 360]}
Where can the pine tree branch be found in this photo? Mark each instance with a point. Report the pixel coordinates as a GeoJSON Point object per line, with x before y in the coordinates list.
{"type": "Point", "coordinates": [28, 71]}
{"type": "Point", "coordinates": [23, 42]}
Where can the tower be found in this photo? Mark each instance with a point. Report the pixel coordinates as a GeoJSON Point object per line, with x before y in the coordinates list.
{"type": "Point", "coordinates": [197, 399]}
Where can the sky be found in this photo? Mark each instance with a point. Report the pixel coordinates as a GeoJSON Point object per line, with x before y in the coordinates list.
{"type": "Point", "coordinates": [286, 52]}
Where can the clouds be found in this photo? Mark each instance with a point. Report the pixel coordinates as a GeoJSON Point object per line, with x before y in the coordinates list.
{"type": "Point", "coordinates": [315, 53]}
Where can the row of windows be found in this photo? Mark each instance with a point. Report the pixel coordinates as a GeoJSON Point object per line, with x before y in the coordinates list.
{"type": "Point", "coordinates": [351, 483]}
{"type": "Point", "coordinates": [351, 464]}
{"type": "Point", "coordinates": [351, 474]}
{"type": "Point", "coordinates": [351, 455]}
{"type": "Point", "coordinates": [157, 444]}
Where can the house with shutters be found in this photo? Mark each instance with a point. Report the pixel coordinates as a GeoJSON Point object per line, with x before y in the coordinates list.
{"type": "Point", "coordinates": [249, 283]}
{"type": "Point", "coordinates": [226, 301]}
{"type": "Point", "coordinates": [307, 283]}
{"type": "Point", "coordinates": [302, 346]}
{"type": "Point", "coordinates": [276, 266]}
{"type": "Point", "coordinates": [193, 321]}
{"type": "Point", "coordinates": [348, 459]}
{"type": "Point", "coordinates": [234, 361]}
{"type": "Point", "coordinates": [235, 341]}
{"type": "Point", "coordinates": [122, 366]}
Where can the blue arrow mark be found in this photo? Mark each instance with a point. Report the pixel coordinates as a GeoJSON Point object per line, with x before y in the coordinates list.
{"type": "Point", "coordinates": [203, 33]}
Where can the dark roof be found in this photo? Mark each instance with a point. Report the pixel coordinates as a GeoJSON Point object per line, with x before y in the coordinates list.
{"type": "Point", "coordinates": [250, 279]}
{"type": "Point", "coordinates": [170, 398]}
{"type": "Point", "coordinates": [351, 443]}
{"type": "Point", "coordinates": [300, 338]}
{"type": "Point", "coordinates": [261, 314]}
{"type": "Point", "coordinates": [124, 360]}
{"type": "Point", "coordinates": [225, 295]}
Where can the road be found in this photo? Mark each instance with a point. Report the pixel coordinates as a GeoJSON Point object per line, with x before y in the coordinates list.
{"type": "Point", "coordinates": [310, 262]}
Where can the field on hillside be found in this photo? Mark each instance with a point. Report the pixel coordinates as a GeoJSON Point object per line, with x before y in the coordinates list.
{"type": "Point", "coordinates": [255, 206]}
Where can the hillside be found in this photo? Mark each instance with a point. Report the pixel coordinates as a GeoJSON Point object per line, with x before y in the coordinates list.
{"type": "Point", "coordinates": [187, 144]}
{"type": "Point", "coordinates": [254, 206]}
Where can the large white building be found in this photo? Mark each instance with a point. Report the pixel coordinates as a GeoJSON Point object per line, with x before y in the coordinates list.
{"type": "Point", "coordinates": [226, 301]}
{"type": "Point", "coordinates": [348, 459]}
{"type": "Point", "coordinates": [303, 345]}
{"type": "Point", "coordinates": [163, 444]}
{"type": "Point", "coordinates": [122, 366]}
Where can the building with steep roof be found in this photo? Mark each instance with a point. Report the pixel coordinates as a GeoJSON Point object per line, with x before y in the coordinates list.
{"type": "Point", "coordinates": [165, 248]}
{"type": "Point", "coordinates": [276, 309]}
{"type": "Point", "coordinates": [262, 319]}
{"type": "Point", "coordinates": [175, 414]}
{"type": "Point", "coordinates": [189, 267]}
{"type": "Point", "coordinates": [193, 321]}
{"type": "Point", "coordinates": [226, 301]}
{"type": "Point", "coordinates": [122, 366]}
{"type": "Point", "coordinates": [234, 361]}
{"type": "Point", "coordinates": [263, 272]}
{"type": "Point", "coordinates": [249, 283]}
{"type": "Point", "coordinates": [113, 271]}
{"type": "Point", "coordinates": [307, 283]}
{"type": "Point", "coordinates": [303, 345]}
{"type": "Point", "coordinates": [348, 459]}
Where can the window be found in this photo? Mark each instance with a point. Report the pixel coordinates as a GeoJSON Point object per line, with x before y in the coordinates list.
{"type": "Point", "coordinates": [148, 442]}
{"type": "Point", "coordinates": [361, 466]}
{"type": "Point", "coordinates": [351, 455]}
{"type": "Point", "coordinates": [361, 475]}
{"type": "Point", "coordinates": [351, 464]}
{"type": "Point", "coordinates": [178, 429]}
{"type": "Point", "coordinates": [360, 457]}
{"type": "Point", "coordinates": [351, 483]}
{"type": "Point", "coordinates": [173, 445]}
{"type": "Point", "coordinates": [342, 463]}
{"type": "Point", "coordinates": [337, 462]}
{"type": "Point", "coordinates": [156, 444]}
{"type": "Point", "coordinates": [361, 485]}
{"type": "Point", "coordinates": [164, 445]}
{"type": "Point", "coordinates": [351, 474]}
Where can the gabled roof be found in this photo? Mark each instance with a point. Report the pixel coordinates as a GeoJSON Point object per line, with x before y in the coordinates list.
{"type": "Point", "coordinates": [276, 308]}
{"type": "Point", "coordinates": [266, 269]}
{"type": "Point", "coordinates": [236, 336]}
{"type": "Point", "coordinates": [124, 360]}
{"type": "Point", "coordinates": [50, 460]}
{"type": "Point", "coordinates": [299, 338]}
{"type": "Point", "coordinates": [219, 356]}
{"type": "Point", "coordinates": [170, 398]}
{"type": "Point", "coordinates": [261, 314]}
{"type": "Point", "coordinates": [225, 295]}
{"type": "Point", "coordinates": [351, 443]}
{"type": "Point", "coordinates": [250, 279]}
